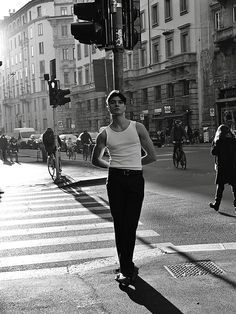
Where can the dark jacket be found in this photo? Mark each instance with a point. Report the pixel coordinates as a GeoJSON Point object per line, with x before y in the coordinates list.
{"type": "Point", "coordinates": [225, 151]}
{"type": "Point", "coordinates": [3, 143]}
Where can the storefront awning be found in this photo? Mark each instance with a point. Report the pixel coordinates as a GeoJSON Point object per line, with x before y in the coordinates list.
{"type": "Point", "coordinates": [226, 100]}
{"type": "Point", "coordinates": [170, 115]}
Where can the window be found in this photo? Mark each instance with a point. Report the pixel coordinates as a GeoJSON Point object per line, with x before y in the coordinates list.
{"type": "Point", "coordinates": [86, 70]}
{"type": "Point", "coordinates": [183, 6]}
{"type": "Point", "coordinates": [20, 57]}
{"type": "Point", "coordinates": [40, 29]}
{"type": "Point", "coordinates": [234, 14]}
{"type": "Point", "coordinates": [170, 90]}
{"type": "Point", "coordinates": [45, 123]}
{"type": "Point", "coordinates": [64, 31]}
{"type": "Point", "coordinates": [129, 57]}
{"type": "Point", "coordinates": [168, 10]}
{"type": "Point", "coordinates": [39, 11]}
{"type": "Point", "coordinates": [156, 50]}
{"type": "Point", "coordinates": [142, 19]}
{"type": "Point", "coordinates": [89, 105]}
{"type": "Point", "coordinates": [218, 20]}
{"type": "Point", "coordinates": [185, 87]}
{"type": "Point", "coordinates": [44, 104]}
{"type": "Point", "coordinates": [30, 15]}
{"type": "Point", "coordinates": [80, 77]}
{"type": "Point", "coordinates": [184, 40]}
{"type": "Point", "coordinates": [16, 59]}
{"type": "Point", "coordinates": [43, 85]}
{"type": "Point", "coordinates": [157, 92]}
{"type": "Point", "coordinates": [155, 15]}
{"type": "Point", "coordinates": [96, 104]}
{"type": "Point", "coordinates": [145, 95]}
{"type": "Point", "coordinates": [63, 10]}
{"type": "Point", "coordinates": [41, 48]}
{"type": "Point", "coordinates": [32, 51]}
{"type": "Point", "coordinates": [42, 67]}
{"type": "Point", "coordinates": [73, 53]}
{"type": "Point", "coordinates": [65, 55]}
{"type": "Point", "coordinates": [86, 51]}
{"type": "Point", "coordinates": [169, 47]}
{"type": "Point", "coordinates": [74, 77]}
{"type": "Point", "coordinates": [143, 55]}
{"type": "Point", "coordinates": [32, 68]}
{"type": "Point", "coordinates": [78, 52]}
{"type": "Point", "coordinates": [66, 78]}
{"type": "Point", "coordinates": [93, 49]}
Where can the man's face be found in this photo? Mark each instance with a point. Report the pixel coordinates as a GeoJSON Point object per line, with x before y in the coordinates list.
{"type": "Point", "coordinates": [116, 106]}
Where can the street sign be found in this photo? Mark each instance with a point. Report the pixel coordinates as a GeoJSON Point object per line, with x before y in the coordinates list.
{"type": "Point", "coordinates": [60, 124]}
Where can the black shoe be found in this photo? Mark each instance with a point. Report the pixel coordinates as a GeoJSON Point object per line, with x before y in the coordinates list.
{"type": "Point", "coordinates": [127, 280]}
{"type": "Point", "coordinates": [214, 206]}
{"type": "Point", "coordinates": [1, 191]}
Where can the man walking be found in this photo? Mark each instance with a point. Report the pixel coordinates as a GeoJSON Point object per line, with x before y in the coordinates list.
{"type": "Point", "coordinates": [125, 185]}
{"type": "Point", "coordinates": [3, 146]}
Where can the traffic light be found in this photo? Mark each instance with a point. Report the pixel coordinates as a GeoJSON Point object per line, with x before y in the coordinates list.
{"type": "Point", "coordinates": [61, 99]}
{"type": "Point", "coordinates": [53, 89]}
{"type": "Point", "coordinates": [131, 23]}
{"type": "Point", "coordinates": [96, 25]}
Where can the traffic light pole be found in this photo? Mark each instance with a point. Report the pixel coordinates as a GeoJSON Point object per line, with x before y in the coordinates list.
{"type": "Point", "coordinates": [58, 173]}
{"type": "Point", "coordinates": [119, 45]}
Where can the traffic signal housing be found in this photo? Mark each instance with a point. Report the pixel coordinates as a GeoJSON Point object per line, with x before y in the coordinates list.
{"type": "Point", "coordinates": [53, 89]}
{"type": "Point", "coordinates": [61, 99]}
{"type": "Point", "coordinates": [131, 23]}
{"type": "Point", "coordinates": [95, 27]}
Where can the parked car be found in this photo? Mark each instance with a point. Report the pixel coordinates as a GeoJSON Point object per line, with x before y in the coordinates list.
{"type": "Point", "coordinates": [33, 141]}
{"type": "Point", "coordinates": [64, 138]}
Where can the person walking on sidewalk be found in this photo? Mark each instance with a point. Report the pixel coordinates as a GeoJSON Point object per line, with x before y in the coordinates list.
{"type": "Point", "coordinates": [4, 146]}
{"type": "Point", "coordinates": [125, 184]}
{"type": "Point", "coordinates": [224, 150]}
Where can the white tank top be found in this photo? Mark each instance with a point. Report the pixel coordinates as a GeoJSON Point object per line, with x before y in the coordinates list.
{"type": "Point", "coordinates": [124, 148]}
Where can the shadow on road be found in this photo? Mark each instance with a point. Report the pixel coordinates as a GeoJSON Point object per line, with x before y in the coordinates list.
{"type": "Point", "coordinates": [144, 294]}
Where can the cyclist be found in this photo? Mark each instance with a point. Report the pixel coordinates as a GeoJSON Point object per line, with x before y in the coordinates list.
{"type": "Point", "coordinates": [177, 135]}
{"type": "Point", "coordinates": [49, 141]}
{"type": "Point", "coordinates": [86, 140]}
{"type": "Point", "coordinates": [13, 148]}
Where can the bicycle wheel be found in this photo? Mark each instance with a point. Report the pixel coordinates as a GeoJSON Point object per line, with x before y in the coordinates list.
{"type": "Point", "coordinates": [51, 166]}
{"type": "Point", "coordinates": [176, 160]}
{"type": "Point", "coordinates": [183, 160]}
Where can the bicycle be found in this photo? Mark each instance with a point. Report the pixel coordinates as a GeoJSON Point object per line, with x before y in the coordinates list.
{"type": "Point", "coordinates": [86, 151]}
{"type": "Point", "coordinates": [51, 164]}
{"type": "Point", "coordinates": [179, 156]}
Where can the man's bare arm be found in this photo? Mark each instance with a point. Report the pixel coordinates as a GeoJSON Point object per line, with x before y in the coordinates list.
{"type": "Point", "coordinates": [98, 151]}
{"type": "Point", "coordinates": [146, 144]}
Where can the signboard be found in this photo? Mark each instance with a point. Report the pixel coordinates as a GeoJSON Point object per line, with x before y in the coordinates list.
{"type": "Point", "coordinates": [72, 125]}
{"type": "Point", "coordinates": [212, 112]}
{"type": "Point", "coordinates": [60, 124]}
{"type": "Point", "coordinates": [141, 116]}
{"type": "Point", "coordinates": [167, 109]}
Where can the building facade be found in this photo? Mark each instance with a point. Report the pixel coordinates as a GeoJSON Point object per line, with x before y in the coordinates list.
{"type": "Point", "coordinates": [30, 38]}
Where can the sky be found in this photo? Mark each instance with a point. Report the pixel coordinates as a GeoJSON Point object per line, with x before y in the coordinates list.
{"type": "Point", "coordinates": [5, 5]}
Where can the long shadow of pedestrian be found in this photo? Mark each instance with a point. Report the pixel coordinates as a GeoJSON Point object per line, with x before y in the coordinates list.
{"type": "Point", "coordinates": [144, 294]}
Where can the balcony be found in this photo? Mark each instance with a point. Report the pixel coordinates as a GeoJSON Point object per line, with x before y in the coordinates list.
{"type": "Point", "coordinates": [181, 60]}
{"type": "Point", "coordinates": [225, 35]}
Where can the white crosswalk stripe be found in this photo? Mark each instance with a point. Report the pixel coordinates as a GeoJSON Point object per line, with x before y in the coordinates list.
{"type": "Point", "coordinates": [51, 228]}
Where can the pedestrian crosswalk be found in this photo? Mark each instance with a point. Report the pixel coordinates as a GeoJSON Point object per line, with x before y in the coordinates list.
{"type": "Point", "coordinates": [47, 229]}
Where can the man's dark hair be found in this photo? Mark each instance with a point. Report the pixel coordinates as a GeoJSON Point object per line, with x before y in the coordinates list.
{"type": "Point", "coordinates": [115, 93]}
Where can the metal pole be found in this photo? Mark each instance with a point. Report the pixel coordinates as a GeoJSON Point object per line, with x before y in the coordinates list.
{"type": "Point", "coordinates": [119, 47]}
{"type": "Point", "coordinates": [58, 174]}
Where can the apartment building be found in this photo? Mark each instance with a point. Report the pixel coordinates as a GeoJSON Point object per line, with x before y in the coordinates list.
{"type": "Point", "coordinates": [219, 61]}
{"type": "Point", "coordinates": [30, 38]}
{"type": "Point", "coordinates": [161, 78]}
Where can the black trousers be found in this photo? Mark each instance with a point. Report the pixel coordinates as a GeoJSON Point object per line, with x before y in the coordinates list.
{"type": "Point", "coordinates": [125, 193]}
{"type": "Point", "coordinates": [219, 193]}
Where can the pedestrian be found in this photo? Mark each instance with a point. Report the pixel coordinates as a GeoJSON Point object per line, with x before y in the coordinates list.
{"type": "Point", "coordinates": [4, 146]}
{"type": "Point", "coordinates": [224, 150]}
{"type": "Point", "coordinates": [125, 184]}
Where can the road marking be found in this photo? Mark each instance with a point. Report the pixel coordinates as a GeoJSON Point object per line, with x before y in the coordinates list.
{"type": "Point", "coordinates": [66, 256]}
{"type": "Point", "coordinates": [98, 237]}
{"type": "Point", "coordinates": [199, 247]}
{"type": "Point", "coordinates": [54, 229]}
{"type": "Point", "coordinates": [30, 213]}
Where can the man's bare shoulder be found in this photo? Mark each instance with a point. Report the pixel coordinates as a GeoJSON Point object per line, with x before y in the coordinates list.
{"type": "Point", "coordinates": [102, 136]}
